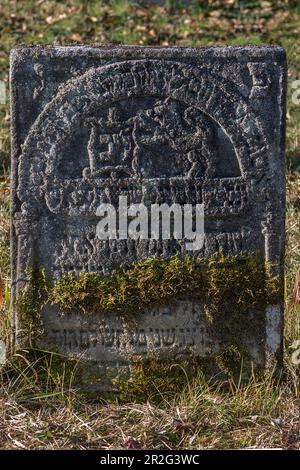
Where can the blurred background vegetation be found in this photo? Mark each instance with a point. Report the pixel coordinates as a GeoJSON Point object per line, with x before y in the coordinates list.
{"type": "Point", "coordinates": [196, 23]}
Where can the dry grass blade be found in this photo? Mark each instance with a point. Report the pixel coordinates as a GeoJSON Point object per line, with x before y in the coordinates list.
{"type": "Point", "coordinates": [295, 295]}
{"type": "Point", "coordinates": [2, 292]}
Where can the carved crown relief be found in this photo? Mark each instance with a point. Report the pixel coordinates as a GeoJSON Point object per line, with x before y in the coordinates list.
{"type": "Point", "coordinates": [156, 138]}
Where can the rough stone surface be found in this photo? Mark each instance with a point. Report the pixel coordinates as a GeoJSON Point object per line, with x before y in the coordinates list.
{"type": "Point", "coordinates": [187, 125]}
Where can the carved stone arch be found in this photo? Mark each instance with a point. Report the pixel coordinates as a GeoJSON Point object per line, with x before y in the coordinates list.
{"type": "Point", "coordinates": [79, 98]}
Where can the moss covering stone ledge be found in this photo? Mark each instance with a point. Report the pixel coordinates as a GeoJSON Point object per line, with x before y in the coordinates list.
{"type": "Point", "coordinates": [242, 282]}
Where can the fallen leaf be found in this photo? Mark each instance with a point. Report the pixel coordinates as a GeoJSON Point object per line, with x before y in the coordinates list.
{"type": "Point", "coordinates": [140, 13]}
{"type": "Point", "coordinates": [265, 4]}
{"type": "Point", "coordinates": [55, 19]}
{"type": "Point", "coordinates": [152, 33]}
{"type": "Point", "coordinates": [140, 27]}
{"type": "Point", "coordinates": [131, 443]}
{"type": "Point", "coordinates": [215, 14]}
{"type": "Point", "coordinates": [76, 37]}
{"type": "Point", "coordinates": [49, 19]}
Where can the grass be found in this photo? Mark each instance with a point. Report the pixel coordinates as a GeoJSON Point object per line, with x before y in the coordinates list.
{"type": "Point", "coordinates": [41, 409]}
{"type": "Point", "coordinates": [39, 405]}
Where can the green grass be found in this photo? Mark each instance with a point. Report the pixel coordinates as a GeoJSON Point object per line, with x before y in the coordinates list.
{"type": "Point", "coordinates": [39, 407]}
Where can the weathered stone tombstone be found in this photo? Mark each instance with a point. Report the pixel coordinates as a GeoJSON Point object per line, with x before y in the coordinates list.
{"type": "Point", "coordinates": [158, 125]}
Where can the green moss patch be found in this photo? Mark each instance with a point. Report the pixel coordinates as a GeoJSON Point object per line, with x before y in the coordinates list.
{"type": "Point", "coordinates": [230, 361]}
{"type": "Point", "coordinates": [240, 281]}
{"type": "Point", "coordinates": [156, 380]}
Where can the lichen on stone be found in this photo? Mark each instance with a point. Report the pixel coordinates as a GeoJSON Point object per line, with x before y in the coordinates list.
{"type": "Point", "coordinates": [30, 301]}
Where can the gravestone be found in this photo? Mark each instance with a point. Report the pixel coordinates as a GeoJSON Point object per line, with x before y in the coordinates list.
{"type": "Point", "coordinates": [158, 125]}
